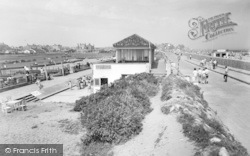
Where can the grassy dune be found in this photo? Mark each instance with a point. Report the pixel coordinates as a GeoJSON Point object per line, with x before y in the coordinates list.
{"type": "Point", "coordinates": [199, 122]}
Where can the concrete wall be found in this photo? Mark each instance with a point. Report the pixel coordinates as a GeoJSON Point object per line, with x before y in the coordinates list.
{"type": "Point", "coordinates": [114, 71]}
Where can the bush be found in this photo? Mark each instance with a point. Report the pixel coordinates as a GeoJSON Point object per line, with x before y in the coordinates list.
{"type": "Point", "coordinates": [167, 89]}
{"type": "Point", "coordinates": [195, 132]}
{"type": "Point", "coordinates": [188, 88]}
{"type": "Point", "coordinates": [114, 114]}
{"type": "Point", "coordinates": [165, 109]}
{"type": "Point", "coordinates": [116, 118]}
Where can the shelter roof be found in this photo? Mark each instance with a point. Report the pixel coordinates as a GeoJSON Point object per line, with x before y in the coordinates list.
{"type": "Point", "coordinates": [134, 41]}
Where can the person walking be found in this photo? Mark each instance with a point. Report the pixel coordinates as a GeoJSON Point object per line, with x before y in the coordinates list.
{"type": "Point", "coordinates": [199, 75]}
{"type": "Point", "coordinates": [27, 77]}
{"type": "Point", "coordinates": [39, 84]}
{"type": "Point", "coordinates": [203, 76]}
{"type": "Point", "coordinates": [214, 64]}
{"type": "Point", "coordinates": [195, 74]}
{"type": "Point", "coordinates": [70, 84]}
{"type": "Point", "coordinates": [190, 57]}
{"type": "Point", "coordinates": [226, 74]}
{"type": "Point", "coordinates": [206, 73]}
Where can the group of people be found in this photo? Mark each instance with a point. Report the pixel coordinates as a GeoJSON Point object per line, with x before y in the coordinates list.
{"type": "Point", "coordinates": [84, 81]}
{"type": "Point", "coordinates": [201, 75]}
{"type": "Point", "coordinates": [203, 62]}
{"type": "Point", "coordinates": [209, 64]}
{"type": "Point", "coordinates": [81, 82]}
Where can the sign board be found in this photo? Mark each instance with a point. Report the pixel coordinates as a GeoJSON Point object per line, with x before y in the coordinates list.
{"type": "Point", "coordinates": [103, 66]}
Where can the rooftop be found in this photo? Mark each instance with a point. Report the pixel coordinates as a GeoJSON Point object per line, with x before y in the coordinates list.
{"type": "Point", "coordinates": [134, 41]}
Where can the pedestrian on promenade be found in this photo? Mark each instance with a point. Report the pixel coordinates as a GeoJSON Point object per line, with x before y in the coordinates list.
{"type": "Point", "coordinates": [190, 57]}
{"type": "Point", "coordinates": [206, 73]}
{"type": "Point", "coordinates": [84, 80]}
{"type": "Point", "coordinates": [70, 84]}
{"type": "Point", "coordinates": [199, 75]}
{"type": "Point", "coordinates": [214, 64]}
{"type": "Point", "coordinates": [201, 63]}
{"type": "Point", "coordinates": [28, 77]}
{"type": "Point", "coordinates": [203, 76]}
{"type": "Point", "coordinates": [195, 74]}
{"type": "Point", "coordinates": [39, 84]}
{"type": "Point", "coordinates": [226, 74]}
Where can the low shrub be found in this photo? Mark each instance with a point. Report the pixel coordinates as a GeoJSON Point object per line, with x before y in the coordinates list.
{"type": "Point", "coordinates": [165, 109]}
{"type": "Point", "coordinates": [194, 132]}
{"type": "Point", "coordinates": [167, 89]}
{"type": "Point", "coordinates": [114, 114]}
{"type": "Point", "coordinates": [186, 87]}
{"type": "Point", "coordinates": [234, 147]}
{"type": "Point", "coordinates": [96, 149]}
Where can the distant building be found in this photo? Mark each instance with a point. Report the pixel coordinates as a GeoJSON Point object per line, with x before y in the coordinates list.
{"type": "Point", "coordinates": [220, 53]}
{"type": "Point", "coordinates": [85, 47]}
{"type": "Point", "coordinates": [56, 48]}
{"type": "Point", "coordinates": [134, 54]}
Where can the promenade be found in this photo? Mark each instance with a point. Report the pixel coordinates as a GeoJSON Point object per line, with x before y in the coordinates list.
{"type": "Point", "coordinates": [237, 74]}
{"type": "Point", "coordinates": [25, 90]}
{"type": "Point", "coordinates": [230, 99]}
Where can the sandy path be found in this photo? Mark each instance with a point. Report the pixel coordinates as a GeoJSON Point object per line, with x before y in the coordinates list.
{"type": "Point", "coordinates": [161, 135]}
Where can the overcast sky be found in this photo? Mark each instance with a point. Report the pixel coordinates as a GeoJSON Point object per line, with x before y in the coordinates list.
{"type": "Point", "coordinates": [104, 22]}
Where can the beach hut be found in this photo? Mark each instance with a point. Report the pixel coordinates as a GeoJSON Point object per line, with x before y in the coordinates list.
{"type": "Point", "coordinates": [134, 54]}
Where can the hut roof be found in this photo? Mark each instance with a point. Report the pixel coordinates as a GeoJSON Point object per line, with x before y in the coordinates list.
{"type": "Point", "coordinates": [134, 41]}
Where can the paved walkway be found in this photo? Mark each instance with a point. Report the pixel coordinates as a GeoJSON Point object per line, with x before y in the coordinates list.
{"type": "Point", "coordinates": [160, 69]}
{"type": "Point", "coordinates": [69, 95]}
{"type": "Point", "coordinates": [230, 99]}
{"type": "Point", "coordinates": [23, 91]}
{"type": "Point", "coordinates": [57, 82]}
{"type": "Point", "coordinates": [240, 75]}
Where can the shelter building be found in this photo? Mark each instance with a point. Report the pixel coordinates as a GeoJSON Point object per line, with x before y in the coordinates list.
{"type": "Point", "coordinates": [134, 54]}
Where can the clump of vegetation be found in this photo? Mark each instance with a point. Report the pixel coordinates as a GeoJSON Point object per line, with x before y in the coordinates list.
{"type": "Point", "coordinates": [167, 88]}
{"type": "Point", "coordinates": [195, 123]}
{"type": "Point", "coordinates": [194, 132]}
{"type": "Point", "coordinates": [115, 113]}
{"type": "Point", "coordinates": [165, 109]}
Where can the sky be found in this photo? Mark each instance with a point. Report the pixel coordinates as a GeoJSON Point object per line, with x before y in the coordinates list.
{"type": "Point", "coordinates": [104, 22]}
